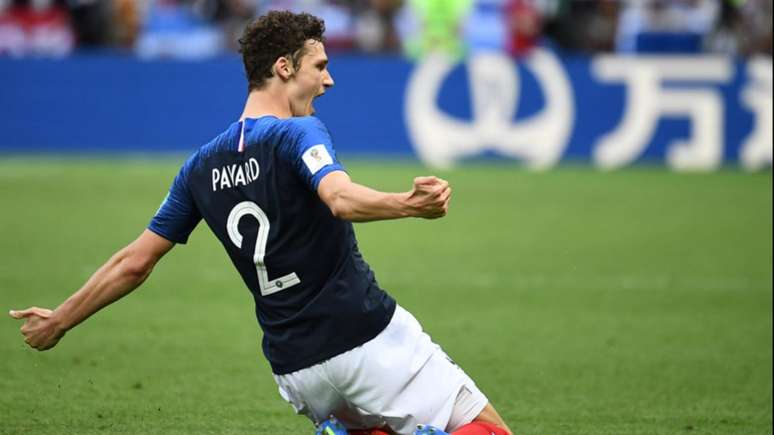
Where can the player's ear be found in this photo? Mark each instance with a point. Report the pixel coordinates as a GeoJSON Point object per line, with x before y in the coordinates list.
{"type": "Point", "coordinates": [283, 68]}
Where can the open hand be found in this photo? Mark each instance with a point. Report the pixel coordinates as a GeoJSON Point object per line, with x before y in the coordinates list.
{"type": "Point", "coordinates": [40, 330]}
{"type": "Point", "coordinates": [430, 197]}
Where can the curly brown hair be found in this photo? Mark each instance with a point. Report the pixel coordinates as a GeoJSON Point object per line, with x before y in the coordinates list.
{"type": "Point", "coordinates": [271, 36]}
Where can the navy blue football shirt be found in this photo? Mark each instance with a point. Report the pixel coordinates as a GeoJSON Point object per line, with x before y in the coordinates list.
{"type": "Point", "coordinates": [256, 187]}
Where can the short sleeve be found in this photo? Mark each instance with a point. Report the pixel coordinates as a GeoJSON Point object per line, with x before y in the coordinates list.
{"type": "Point", "coordinates": [177, 217]}
{"type": "Point", "coordinates": [311, 151]}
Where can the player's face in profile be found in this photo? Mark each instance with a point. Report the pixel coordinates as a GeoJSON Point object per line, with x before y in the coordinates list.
{"type": "Point", "coordinates": [311, 80]}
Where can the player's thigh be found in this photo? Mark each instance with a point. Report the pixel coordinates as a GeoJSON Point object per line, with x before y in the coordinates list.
{"type": "Point", "coordinates": [407, 379]}
{"type": "Point", "coordinates": [309, 393]}
{"type": "Point", "coordinates": [467, 403]}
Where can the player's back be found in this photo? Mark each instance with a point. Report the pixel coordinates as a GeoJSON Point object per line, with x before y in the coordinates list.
{"type": "Point", "coordinates": [255, 186]}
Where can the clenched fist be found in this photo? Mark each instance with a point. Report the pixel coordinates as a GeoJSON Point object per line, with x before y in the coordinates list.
{"type": "Point", "coordinates": [430, 197]}
{"type": "Point", "coordinates": [40, 330]}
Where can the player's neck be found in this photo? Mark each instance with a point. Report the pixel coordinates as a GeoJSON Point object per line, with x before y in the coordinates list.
{"type": "Point", "coordinates": [266, 101]}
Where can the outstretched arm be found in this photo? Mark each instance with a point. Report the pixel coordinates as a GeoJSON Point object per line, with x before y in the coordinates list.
{"type": "Point", "coordinates": [124, 272]}
{"type": "Point", "coordinates": [429, 198]}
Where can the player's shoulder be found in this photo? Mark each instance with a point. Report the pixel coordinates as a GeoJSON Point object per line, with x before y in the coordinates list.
{"type": "Point", "coordinates": [305, 124]}
{"type": "Point", "coordinates": [191, 163]}
{"type": "Point", "coordinates": [271, 125]}
{"type": "Point", "coordinates": [223, 141]}
{"type": "Point", "coordinates": [294, 134]}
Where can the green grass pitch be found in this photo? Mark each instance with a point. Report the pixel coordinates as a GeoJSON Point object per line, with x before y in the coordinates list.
{"type": "Point", "coordinates": [582, 302]}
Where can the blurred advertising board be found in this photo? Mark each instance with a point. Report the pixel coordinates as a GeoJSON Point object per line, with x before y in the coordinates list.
{"type": "Point", "coordinates": [689, 113]}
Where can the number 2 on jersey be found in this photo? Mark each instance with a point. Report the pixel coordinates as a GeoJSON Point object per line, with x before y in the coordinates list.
{"type": "Point", "coordinates": [267, 286]}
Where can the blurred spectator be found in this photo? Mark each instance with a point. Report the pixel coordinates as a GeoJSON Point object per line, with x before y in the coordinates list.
{"type": "Point", "coordinates": [602, 26]}
{"type": "Point", "coordinates": [486, 25]}
{"type": "Point", "coordinates": [725, 36]}
{"type": "Point", "coordinates": [99, 24]}
{"type": "Point", "coordinates": [126, 23]}
{"type": "Point", "coordinates": [585, 26]}
{"type": "Point", "coordinates": [175, 29]}
{"type": "Point", "coordinates": [743, 28]}
{"type": "Point", "coordinates": [524, 26]}
{"type": "Point", "coordinates": [232, 16]}
{"type": "Point", "coordinates": [339, 25]}
{"type": "Point", "coordinates": [375, 25]}
{"type": "Point", "coordinates": [12, 34]}
{"type": "Point", "coordinates": [92, 22]}
{"type": "Point", "coordinates": [666, 25]}
{"type": "Point", "coordinates": [758, 24]}
{"type": "Point", "coordinates": [204, 28]}
{"type": "Point", "coordinates": [34, 28]}
{"type": "Point", "coordinates": [438, 27]}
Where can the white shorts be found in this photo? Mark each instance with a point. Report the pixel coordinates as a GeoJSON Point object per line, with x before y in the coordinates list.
{"type": "Point", "coordinates": [398, 379]}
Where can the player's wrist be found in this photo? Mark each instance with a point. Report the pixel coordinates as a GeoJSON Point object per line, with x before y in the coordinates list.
{"type": "Point", "coordinates": [59, 321]}
{"type": "Point", "coordinates": [405, 207]}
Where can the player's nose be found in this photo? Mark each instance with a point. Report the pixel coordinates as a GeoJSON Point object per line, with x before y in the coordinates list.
{"type": "Point", "coordinates": [328, 80]}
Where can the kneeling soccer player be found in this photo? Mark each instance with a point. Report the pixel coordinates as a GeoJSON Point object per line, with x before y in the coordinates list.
{"type": "Point", "coordinates": [271, 188]}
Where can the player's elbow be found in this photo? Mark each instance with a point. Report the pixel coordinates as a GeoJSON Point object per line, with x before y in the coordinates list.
{"type": "Point", "coordinates": [340, 210]}
{"type": "Point", "coordinates": [337, 203]}
{"type": "Point", "coordinates": [336, 191]}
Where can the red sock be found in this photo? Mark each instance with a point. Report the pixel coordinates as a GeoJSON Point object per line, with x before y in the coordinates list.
{"type": "Point", "coordinates": [368, 432]}
{"type": "Point", "coordinates": [480, 428]}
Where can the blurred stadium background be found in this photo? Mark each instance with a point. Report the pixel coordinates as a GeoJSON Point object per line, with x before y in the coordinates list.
{"type": "Point", "coordinates": [606, 267]}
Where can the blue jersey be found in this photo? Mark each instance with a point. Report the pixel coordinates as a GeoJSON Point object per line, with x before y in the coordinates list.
{"type": "Point", "coordinates": [256, 187]}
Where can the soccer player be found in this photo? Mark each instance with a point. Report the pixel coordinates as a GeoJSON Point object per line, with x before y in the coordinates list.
{"type": "Point", "coordinates": [274, 193]}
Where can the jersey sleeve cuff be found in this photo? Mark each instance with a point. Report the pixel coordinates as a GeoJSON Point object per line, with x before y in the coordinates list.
{"type": "Point", "coordinates": [323, 172]}
{"type": "Point", "coordinates": [164, 234]}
